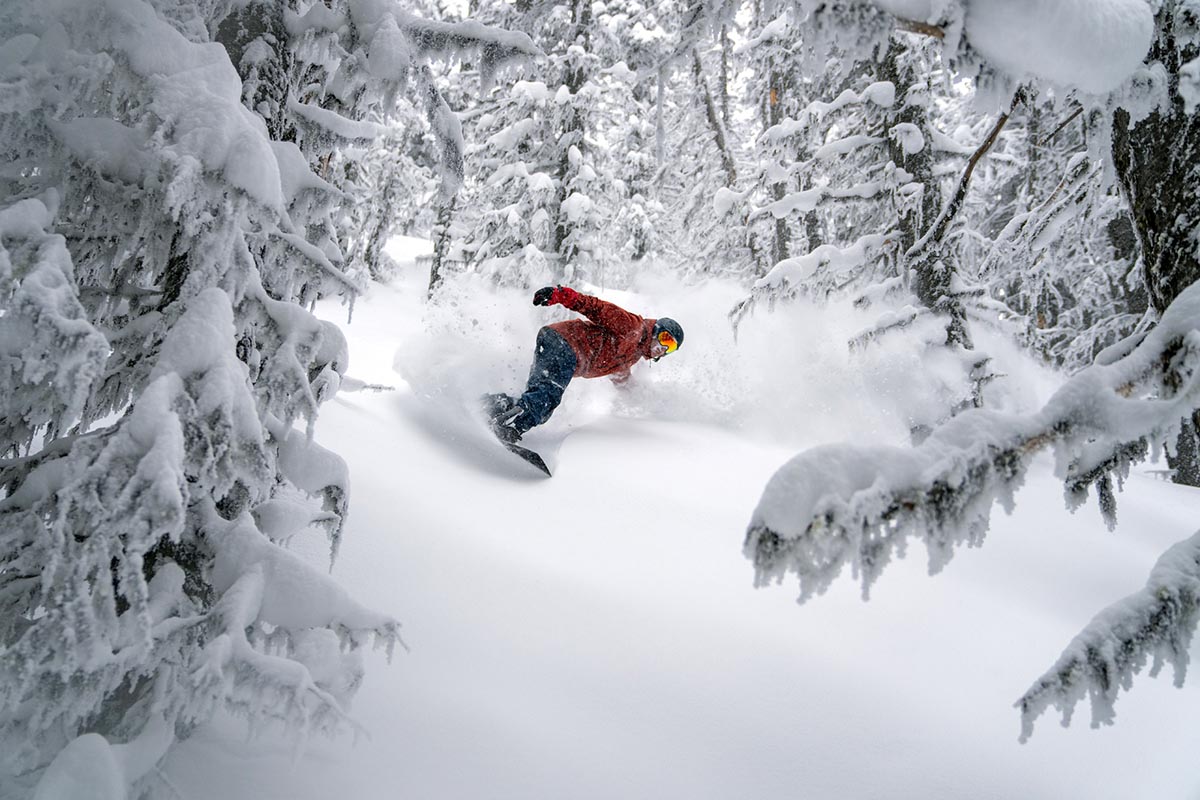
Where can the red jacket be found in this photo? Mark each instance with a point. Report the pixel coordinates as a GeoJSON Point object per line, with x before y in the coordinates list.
{"type": "Point", "coordinates": [610, 343]}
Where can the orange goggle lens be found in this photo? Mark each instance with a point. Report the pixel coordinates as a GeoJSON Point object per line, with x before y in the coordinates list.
{"type": "Point", "coordinates": [667, 341]}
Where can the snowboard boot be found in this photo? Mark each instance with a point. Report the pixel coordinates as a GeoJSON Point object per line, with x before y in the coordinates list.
{"type": "Point", "coordinates": [503, 422]}
{"type": "Point", "coordinates": [496, 404]}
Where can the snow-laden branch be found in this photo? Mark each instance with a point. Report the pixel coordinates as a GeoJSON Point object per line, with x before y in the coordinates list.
{"type": "Point", "coordinates": [395, 41]}
{"type": "Point", "coordinates": [1156, 623]}
{"type": "Point", "coordinates": [41, 315]}
{"type": "Point", "coordinates": [1089, 45]}
{"type": "Point", "coordinates": [276, 630]}
{"type": "Point", "coordinates": [804, 201]}
{"type": "Point", "coordinates": [880, 93]}
{"type": "Point", "coordinates": [857, 505]}
{"type": "Point", "coordinates": [793, 271]}
{"type": "Point", "coordinates": [350, 130]}
{"type": "Point", "coordinates": [1037, 228]}
{"type": "Point", "coordinates": [496, 46]}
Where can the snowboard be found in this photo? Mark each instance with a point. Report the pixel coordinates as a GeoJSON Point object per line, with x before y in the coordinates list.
{"type": "Point", "coordinates": [525, 453]}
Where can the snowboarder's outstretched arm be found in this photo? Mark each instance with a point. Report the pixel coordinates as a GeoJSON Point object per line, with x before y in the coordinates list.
{"type": "Point", "coordinates": [605, 314]}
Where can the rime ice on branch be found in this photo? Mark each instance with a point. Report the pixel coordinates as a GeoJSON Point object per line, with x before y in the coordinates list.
{"type": "Point", "coordinates": [1154, 625]}
{"type": "Point", "coordinates": [160, 373]}
{"type": "Point", "coordinates": [846, 505]}
{"type": "Point", "coordinates": [858, 506]}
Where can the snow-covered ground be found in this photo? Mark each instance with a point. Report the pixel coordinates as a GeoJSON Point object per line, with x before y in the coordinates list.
{"type": "Point", "coordinates": [597, 635]}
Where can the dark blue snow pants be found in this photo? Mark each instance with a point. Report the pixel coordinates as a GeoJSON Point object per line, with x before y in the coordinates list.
{"type": "Point", "coordinates": [553, 368]}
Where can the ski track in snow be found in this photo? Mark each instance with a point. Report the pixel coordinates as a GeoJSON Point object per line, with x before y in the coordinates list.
{"type": "Point", "coordinates": [597, 635]}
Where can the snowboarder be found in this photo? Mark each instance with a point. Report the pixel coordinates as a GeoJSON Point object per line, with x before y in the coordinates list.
{"type": "Point", "coordinates": [609, 342]}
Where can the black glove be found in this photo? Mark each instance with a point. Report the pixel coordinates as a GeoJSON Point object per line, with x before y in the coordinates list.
{"type": "Point", "coordinates": [556, 295]}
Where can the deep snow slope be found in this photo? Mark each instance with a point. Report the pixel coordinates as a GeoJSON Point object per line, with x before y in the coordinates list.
{"type": "Point", "coordinates": [597, 635]}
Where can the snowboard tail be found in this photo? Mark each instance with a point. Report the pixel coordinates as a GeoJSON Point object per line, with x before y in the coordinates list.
{"type": "Point", "coordinates": [528, 455]}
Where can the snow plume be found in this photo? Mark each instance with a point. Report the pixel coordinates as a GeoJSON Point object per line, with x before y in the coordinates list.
{"type": "Point", "coordinates": [803, 381]}
{"type": "Point", "coordinates": [479, 339]}
{"type": "Point", "coordinates": [788, 377]}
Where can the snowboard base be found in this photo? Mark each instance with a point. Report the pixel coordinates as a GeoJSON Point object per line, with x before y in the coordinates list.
{"type": "Point", "coordinates": [528, 455]}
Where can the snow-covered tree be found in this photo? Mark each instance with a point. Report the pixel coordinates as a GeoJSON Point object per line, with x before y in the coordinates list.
{"type": "Point", "coordinates": [701, 164]}
{"type": "Point", "coordinates": [842, 505]}
{"type": "Point", "coordinates": [631, 39]}
{"type": "Point", "coordinates": [1065, 264]}
{"type": "Point", "coordinates": [161, 230]}
{"type": "Point", "coordinates": [514, 202]}
{"type": "Point", "coordinates": [535, 212]}
{"type": "Point", "coordinates": [850, 177]}
{"type": "Point", "coordinates": [592, 122]}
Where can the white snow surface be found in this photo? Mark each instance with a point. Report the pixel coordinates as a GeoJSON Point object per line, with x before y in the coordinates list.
{"type": "Point", "coordinates": [90, 768]}
{"type": "Point", "coordinates": [597, 634]}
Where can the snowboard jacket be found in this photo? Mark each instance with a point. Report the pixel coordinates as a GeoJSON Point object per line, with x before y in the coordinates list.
{"type": "Point", "coordinates": [609, 342]}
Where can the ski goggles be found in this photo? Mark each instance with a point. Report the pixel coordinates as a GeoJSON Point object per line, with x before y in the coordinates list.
{"type": "Point", "coordinates": [668, 341]}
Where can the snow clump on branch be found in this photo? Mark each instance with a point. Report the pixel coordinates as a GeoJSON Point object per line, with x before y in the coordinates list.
{"type": "Point", "coordinates": [1092, 46]}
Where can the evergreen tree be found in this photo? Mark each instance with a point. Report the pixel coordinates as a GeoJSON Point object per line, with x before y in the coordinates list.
{"type": "Point", "coordinates": [511, 238]}
{"type": "Point", "coordinates": [552, 145]}
{"type": "Point", "coordinates": [1107, 417]}
{"type": "Point", "coordinates": [158, 245]}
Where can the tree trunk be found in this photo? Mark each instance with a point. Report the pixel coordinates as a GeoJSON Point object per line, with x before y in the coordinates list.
{"type": "Point", "coordinates": [1185, 461]}
{"type": "Point", "coordinates": [899, 70]}
{"type": "Point", "coordinates": [714, 120]}
{"type": "Point", "coordinates": [780, 84]}
{"type": "Point", "coordinates": [1158, 164]}
{"type": "Point", "coordinates": [441, 242]}
{"type": "Point", "coordinates": [264, 81]}
{"type": "Point", "coordinates": [574, 126]}
{"type": "Point", "coordinates": [922, 228]}
{"type": "Point", "coordinates": [725, 57]}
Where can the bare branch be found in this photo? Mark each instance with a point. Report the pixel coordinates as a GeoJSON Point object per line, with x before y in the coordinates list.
{"type": "Point", "coordinates": [938, 229]}
{"type": "Point", "coordinates": [714, 120]}
{"type": "Point", "coordinates": [1062, 125]}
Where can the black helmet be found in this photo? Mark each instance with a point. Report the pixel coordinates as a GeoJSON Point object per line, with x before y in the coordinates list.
{"type": "Point", "coordinates": [670, 326]}
{"type": "Point", "coordinates": [672, 329]}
